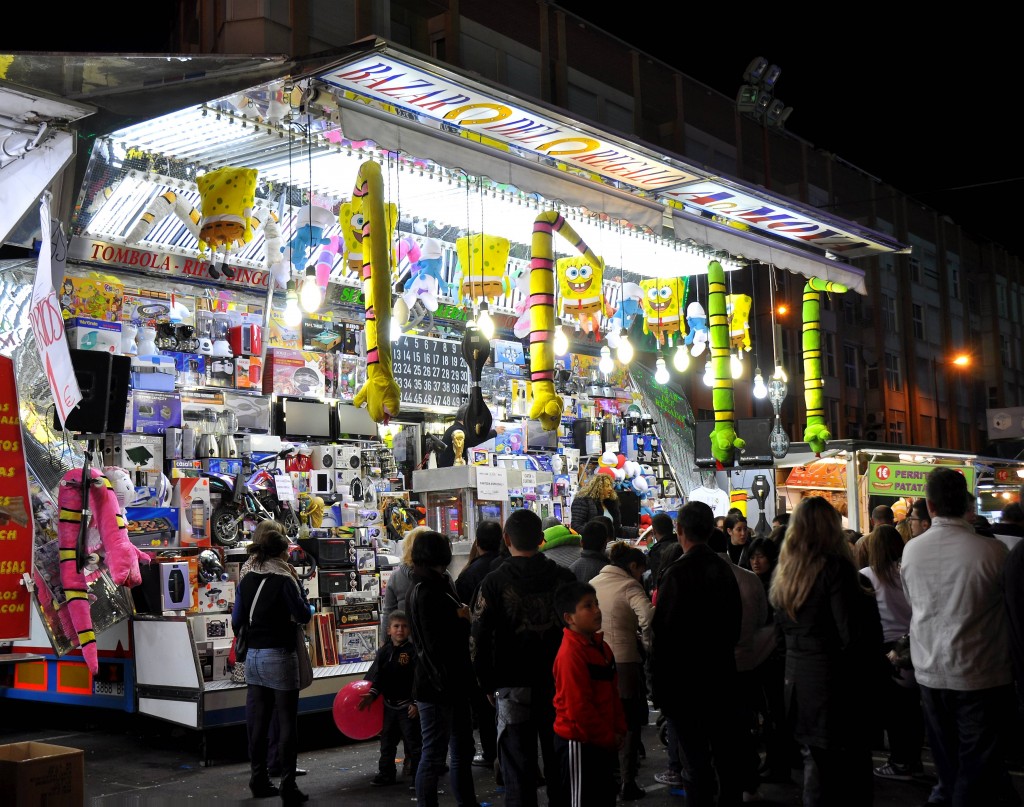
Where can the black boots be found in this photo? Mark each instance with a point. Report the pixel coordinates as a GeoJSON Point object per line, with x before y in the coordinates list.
{"type": "Point", "coordinates": [290, 793]}
{"type": "Point", "coordinates": [260, 784]}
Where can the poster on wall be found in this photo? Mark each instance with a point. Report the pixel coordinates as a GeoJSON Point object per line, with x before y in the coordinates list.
{"type": "Point", "coordinates": [16, 524]}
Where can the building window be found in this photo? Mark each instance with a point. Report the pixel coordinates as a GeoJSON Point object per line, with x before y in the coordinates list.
{"type": "Point", "coordinates": [889, 312]}
{"type": "Point", "coordinates": [833, 415]}
{"type": "Point", "coordinates": [965, 435]}
{"type": "Point", "coordinates": [850, 373]}
{"type": "Point", "coordinates": [918, 314]}
{"type": "Point", "coordinates": [829, 346]}
{"type": "Point", "coordinates": [915, 270]}
{"type": "Point", "coordinates": [872, 375]}
{"type": "Point", "coordinates": [954, 281]}
{"type": "Point", "coordinates": [897, 427]}
{"type": "Point", "coordinates": [850, 309]}
{"type": "Point", "coordinates": [1007, 350]}
{"type": "Point", "coordinates": [940, 431]}
{"type": "Point", "coordinates": [925, 437]}
{"type": "Point", "coordinates": [893, 379]}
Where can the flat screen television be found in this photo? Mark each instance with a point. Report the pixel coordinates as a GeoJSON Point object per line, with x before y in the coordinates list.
{"type": "Point", "coordinates": [301, 420]}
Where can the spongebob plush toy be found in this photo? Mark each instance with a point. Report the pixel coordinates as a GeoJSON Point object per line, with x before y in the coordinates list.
{"type": "Point", "coordinates": [228, 198]}
{"type": "Point", "coordinates": [581, 289]}
{"type": "Point", "coordinates": [662, 314]}
{"type": "Point", "coordinates": [483, 266]}
{"type": "Point", "coordinates": [737, 306]}
{"type": "Point", "coordinates": [350, 216]}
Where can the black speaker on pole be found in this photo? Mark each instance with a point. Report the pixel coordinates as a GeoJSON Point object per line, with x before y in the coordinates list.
{"type": "Point", "coordinates": [103, 379]}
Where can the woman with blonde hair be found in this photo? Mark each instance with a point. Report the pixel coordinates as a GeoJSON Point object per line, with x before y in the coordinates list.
{"type": "Point", "coordinates": [833, 636]}
{"type": "Point", "coordinates": [401, 582]}
{"type": "Point", "coordinates": [596, 497]}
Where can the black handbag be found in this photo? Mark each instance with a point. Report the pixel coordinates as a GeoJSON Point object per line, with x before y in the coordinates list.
{"type": "Point", "coordinates": [242, 634]}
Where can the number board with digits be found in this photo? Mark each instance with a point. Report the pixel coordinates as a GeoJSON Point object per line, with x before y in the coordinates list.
{"type": "Point", "coordinates": [430, 372]}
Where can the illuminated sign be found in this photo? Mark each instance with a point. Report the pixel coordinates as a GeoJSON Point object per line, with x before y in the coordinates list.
{"type": "Point", "coordinates": [411, 93]}
{"type": "Point", "coordinates": [905, 479]}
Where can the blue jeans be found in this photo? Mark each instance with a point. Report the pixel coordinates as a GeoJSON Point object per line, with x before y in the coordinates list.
{"type": "Point", "coordinates": [524, 723]}
{"type": "Point", "coordinates": [446, 728]}
{"type": "Point", "coordinates": [398, 726]}
{"type": "Point", "coordinates": [965, 732]}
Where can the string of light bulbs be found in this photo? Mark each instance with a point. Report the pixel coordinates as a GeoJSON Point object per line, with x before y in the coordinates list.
{"type": "Point", "coordinates": [760, 390]}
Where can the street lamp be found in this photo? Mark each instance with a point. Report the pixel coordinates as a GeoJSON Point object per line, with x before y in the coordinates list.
{"type": "Point", "coordinates": [757, 93]}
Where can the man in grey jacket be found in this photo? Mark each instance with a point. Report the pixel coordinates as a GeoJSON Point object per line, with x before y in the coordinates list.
{"type": "Point", "coordinates": [959, 642]}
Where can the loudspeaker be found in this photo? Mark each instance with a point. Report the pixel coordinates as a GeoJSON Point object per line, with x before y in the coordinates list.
{"type": "Point", "coordinates": [757, 433]}
{"type": "Point", "coordinates": [350, 458]}
{"type": "Point", "coordinates": [325, 458]}
{"type": "Point", "coordinates": [103, 379]}
{"type": "Point", "coordinates": [702, 456]}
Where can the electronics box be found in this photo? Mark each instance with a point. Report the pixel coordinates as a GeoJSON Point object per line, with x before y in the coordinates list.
{"type": "Point", "coordinates": [155, 412]}
{"type": "Point", "coordinates": [189, 368]}
{"type": "Point", "coordinates": [337, 582]}
{"type": "Point", "coordinates": [207, 627]}
{"type": "Point", "coordinates": [157, 373]}
{"type": "Point", "coordinates": [287, 372]}
{"type": "Point", "coordinates": [335, 552]}
{"type": "Point", "coordinates": [175, 587]}
{"type": "Point", "coordinates": [220, 372]}
{"type": "Point", "coordinates": [191, 496]}
{"type": "Point", "coordinates": [216, 597]}
{"type": "Point", "coordinates": [143, 452]}
{"type": "Point", "coordinates": [358, 644]}
{"type": "Point", "coordinates": [85, 333]}
{"type": "Point", "coordinates": [358, 614]}
{"type": "Point", "coordinates": [249, 372]}
{"type": "Point", "coordinates": [152, 528]}
{"type": "Point", "coordinates": [41, 773]}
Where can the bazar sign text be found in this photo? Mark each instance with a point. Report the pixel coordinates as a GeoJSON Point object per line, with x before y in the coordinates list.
{"type": "Point", "coordinates": [772, 218]}
{"type": "Point", "coordinates": [905, 479]}
{"type": "Point", "coordinates": [394, 83]}
{"type": "Point", "coordinates": [103, 252]}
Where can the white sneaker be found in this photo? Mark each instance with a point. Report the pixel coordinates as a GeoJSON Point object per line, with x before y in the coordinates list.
{"type": "Point", "coordinates": [670, 778]}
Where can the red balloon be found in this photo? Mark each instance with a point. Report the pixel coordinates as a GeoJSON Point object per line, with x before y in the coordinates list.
{"type": "Point", "coordinates": [353, 723]}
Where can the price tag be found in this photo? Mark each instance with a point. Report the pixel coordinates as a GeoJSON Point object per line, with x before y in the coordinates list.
{"type": "Point", "coordinates": [285, 491]}
{"type": "Point", "coordinates": [529, 479]}
{"type": "Point", "coordinates": [491, 484]}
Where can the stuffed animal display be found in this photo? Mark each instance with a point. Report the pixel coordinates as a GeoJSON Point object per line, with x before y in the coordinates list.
{"type": "Point", "coordinates": [816, 435]}
{"type": "Point", "coordinates": [662, 302]}
{"type": "Point", "coordinates": [310, 223]}
{"type": "Point", "coordinates": [160, 208]}
{"type": "Point", "coordinates": [228, 196]}
{"type": "Point", "coordinates": [483, 266]}
{"type": "Point", "coordinates": [697, 321]}
{"type": "Point", "coordinates": [350, 216]}
{"type": "Point", "coordinates": [581, 291]}
{"type": "Point", "coordinates": [120, 555]}
{"type": "Point", "coordinates": [737, 307]}
{"type": "Point", "coordinates": [380, 391]}
{"type": "Point", "coordinates": [628, 308]}
{"type": "Point", "coordinates": [723, 437]}
{"type": "Point", "coordinates": [547, 405]}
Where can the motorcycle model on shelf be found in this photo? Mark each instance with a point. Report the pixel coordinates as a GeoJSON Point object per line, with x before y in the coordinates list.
{"type": "Point", "coordinates": [248, 498]}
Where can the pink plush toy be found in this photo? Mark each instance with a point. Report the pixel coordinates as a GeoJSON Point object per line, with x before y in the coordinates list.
{"type": "Point", "coordinates": [120, 555]}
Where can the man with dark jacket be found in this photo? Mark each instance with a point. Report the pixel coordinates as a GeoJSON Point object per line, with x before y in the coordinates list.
{"type": "Point", "coordinates": [693, 664]}
{"type": "Point", "coordinates": [664, 537]}
{"type": "Point", "coordinates": [516, 633]}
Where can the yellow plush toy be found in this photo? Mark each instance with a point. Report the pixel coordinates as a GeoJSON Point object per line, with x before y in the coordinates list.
{"type": "Point", "coordinates": [661, 303]}
{"type": "Point", "coordinates": [228, 196]}
{"type": "Point", "coordinates": [483, 265]}
{"type": "Point", "coordinates": [547, 405]}
{"type": "Point", "coordinates": [350, 217]}
{"type": "Point", "coordinates": [738, 308]}
{"type": "Point", "coordinates": [380, 392]}
{"type": "Point", "coordinates": [581, 289]}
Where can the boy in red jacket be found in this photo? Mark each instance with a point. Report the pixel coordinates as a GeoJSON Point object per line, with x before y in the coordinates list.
{"type": "Point", "coordinates": [589, 722]}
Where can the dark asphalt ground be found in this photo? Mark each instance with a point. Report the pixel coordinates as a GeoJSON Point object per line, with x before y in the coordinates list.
{"type": "Point", "coordinates": [138, 761]}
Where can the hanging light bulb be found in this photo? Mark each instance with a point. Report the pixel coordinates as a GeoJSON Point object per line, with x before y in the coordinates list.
{"type": "Point", "coordinates": [760, 390]}
{"type": "Point", "coordinates": [661, 371]}
{"type": "Point", "coordinates": [681, 359]}
{"type": "Point", "coordinates": [709, 374]}
{"type": "Point", "coordinates": [625, 350]}
{"type": "Point", "coordinates": [780, 373]}
{"type": "Point", "coordinates": [309, 294]}
{"type": "Point", "coordinates": [561, 340]}
{"type": "Point", "coordinates": [484, 322]}
{"type": "Point", "coordinates": [606, 365]}
{"type": "Point", "coordinates": [612, 338]}
{"type": "Point", "coordinates": [736, 366]}
{"type": "Point", "coordinates": [396, 329]}
{"type": "Point", "coordinates": [292, 312]}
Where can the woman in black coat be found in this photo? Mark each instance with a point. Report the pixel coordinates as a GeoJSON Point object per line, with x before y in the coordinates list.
{"type": "Point", "coordinates": [443, 681]}
{"type": "Point", "coordinates": [829, 621]}
{"type": "Point", "coordinates": [596, 497]}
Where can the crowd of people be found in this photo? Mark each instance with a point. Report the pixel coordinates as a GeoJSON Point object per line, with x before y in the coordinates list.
{"type": "Point", "coordinates": [764, 655]}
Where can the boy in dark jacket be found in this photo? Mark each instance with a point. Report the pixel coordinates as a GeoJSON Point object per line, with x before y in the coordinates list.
{"type": "Point", "coordinates": [391, 676]}
{"type": "Point", "coordinates": [590, 724]}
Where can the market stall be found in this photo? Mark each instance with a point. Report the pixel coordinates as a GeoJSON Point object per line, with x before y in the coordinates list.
{"type": "Point", "coordinates": [275, 302]}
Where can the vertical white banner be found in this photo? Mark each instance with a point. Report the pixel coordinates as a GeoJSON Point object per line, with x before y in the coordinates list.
{"type": "Point", "coordinates": [48, 325]}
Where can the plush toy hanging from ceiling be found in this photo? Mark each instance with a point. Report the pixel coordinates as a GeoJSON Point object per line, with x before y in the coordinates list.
{"type": "Point", "coordinates": [227, 198]}
{"type": "Point", "coordinates": [629, 306]}
{"type": "Point", "coordinates": [273, 245]}
{"type": "Point", "coordinates": [737, 307]}
{"type": "Point", "coordinates": [350, 217]}
{"type": "Point", "coordinates": [663, 307]}
{"type": "Point", "coordinates": [424, 282]}
{"type": "Point", "coordinates": [581, 290]}
{"type": "Point", "coordinates": [697, 322]}
{"type": "Point", "coordinates": [483, 266]}
{"type": "Point", "coordinates": [816, 435]}
{"type": "Point", "coordinates": [723, 437]}
{"type": "Point", "coordinates": [380, 392]}
{"type": "Point", "coordinates": [161, 207]}
{"type": "Point", "coordinates": [107, 531]}
{"type": "Point", "coordinates": [547, 405]}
